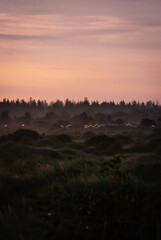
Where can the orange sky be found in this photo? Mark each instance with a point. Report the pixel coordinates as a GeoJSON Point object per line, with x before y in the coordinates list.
{"type": "Point", "coordinates": [96, 49]}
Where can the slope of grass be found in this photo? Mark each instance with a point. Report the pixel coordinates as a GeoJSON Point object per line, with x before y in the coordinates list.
{"type": "Point", "coordinates": [68, 193]}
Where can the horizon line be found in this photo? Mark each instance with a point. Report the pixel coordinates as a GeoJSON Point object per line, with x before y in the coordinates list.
{"type": "Point", "coordinates": [156, 102]}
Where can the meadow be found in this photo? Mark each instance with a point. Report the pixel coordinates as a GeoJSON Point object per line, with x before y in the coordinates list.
{"type": "Point", "coordinates": [80, 183]}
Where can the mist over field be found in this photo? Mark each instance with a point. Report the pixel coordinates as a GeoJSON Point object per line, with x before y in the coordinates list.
{"type": "Point", "coordinates": [80, 113]}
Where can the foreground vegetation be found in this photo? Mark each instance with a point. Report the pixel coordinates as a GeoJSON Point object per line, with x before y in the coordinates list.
{"type": "Point", "coordinates": [89, 185]}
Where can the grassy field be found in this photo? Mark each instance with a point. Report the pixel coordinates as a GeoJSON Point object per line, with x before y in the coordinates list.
{"type": "Point", "coordinates": [80, 184]}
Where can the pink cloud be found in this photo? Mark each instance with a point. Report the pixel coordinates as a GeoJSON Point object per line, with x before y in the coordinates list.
{"type": "Point", "coordinates": [108, 29]}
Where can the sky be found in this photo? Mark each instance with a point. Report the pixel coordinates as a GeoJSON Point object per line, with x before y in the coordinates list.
{"type": "Point", "coordinates": [104, 50]}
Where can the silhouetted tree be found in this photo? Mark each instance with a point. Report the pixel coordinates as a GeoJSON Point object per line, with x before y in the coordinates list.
{"type": "Point", "coordinates": [4, 117]}
{"type": "Point", "coordinates": [27, 117]}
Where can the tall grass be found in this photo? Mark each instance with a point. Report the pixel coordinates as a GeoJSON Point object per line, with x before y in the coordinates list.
{"type": "Point", "coordinates": [61, 192]}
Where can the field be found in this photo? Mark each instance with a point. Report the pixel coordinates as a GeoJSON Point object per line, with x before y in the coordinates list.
{"type": "Point", "coordinates": [80, 183]}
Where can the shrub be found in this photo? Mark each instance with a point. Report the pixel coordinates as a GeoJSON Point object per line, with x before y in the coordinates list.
{"type": "Point", "coordinates": [63, 138]}
{"type": "Point", "coordinates": [147, 122]}
{"type": "Point", "coordinates": [123, 139]}
{"type": "Point", "coordinates": [50, 154]}
{"type": "Point", "coordinates": [148, 168]}
{"type": "Point", "coordinates": [103, 144]}
{"type": "Point", "coordinates": [55, 140]}
{"type": "Point", "coordinates": [99, 140]}
{"type": "Point", "coordinates": [158, 151]}
{"type": "Point", "coordinates": [21, 133]}
{"type": "Point", "coordinates": [88, 134]}
{"type": "Point", "coordinates": [26, 136]}
{"type": "Point", "coordinates": [12, 151]}
{"type": "Point", "coordinates": [139, 147]}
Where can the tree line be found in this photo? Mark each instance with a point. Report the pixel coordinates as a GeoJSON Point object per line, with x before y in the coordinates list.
{"type": "Point", "coordinates": [82, 111]}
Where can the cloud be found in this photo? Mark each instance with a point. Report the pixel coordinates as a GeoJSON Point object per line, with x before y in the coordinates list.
{"type": "Point", "coordinates": [92, 29]}
{"type": "Point", "coordinates": [18, 37]}
{"type": "Point", "coordinates": [82, 7]}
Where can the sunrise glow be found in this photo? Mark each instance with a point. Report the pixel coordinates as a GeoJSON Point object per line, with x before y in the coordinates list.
{"type": "Point", "coordinates": [71, 49]}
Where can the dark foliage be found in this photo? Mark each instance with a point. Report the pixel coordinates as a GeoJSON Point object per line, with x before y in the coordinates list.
{"type": "Point", "coordinates": [78, 113]}
{"type": "Point", "coordinates": [4, 117]}
{"type": "Point", "coordinates": [88, 134]}
{"type": "Point", "coordinates": [63, 138]}
{"type": "Point", "coordinates": [103, 144]}
{"type": "Point", "coordinates": [27, 133]}
{"type": "Point", "coordinates": [11, 151]}
{"type": "Point", "coordinates": [147, 122]}
{"type": "Point", "coordinates": [25, 136]}
{"type": "Point", "coordinates": [99, 140]}
{"type": "Point", "coordinates": [124, 139]}
{"type": "Point", "coordinates": [55, 140]}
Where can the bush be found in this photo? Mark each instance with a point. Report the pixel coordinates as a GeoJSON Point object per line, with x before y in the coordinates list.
{"type": "Point", "coordinates": [158, 151]}
{"type": "Point", "coordinates": [147, 122]}
{"type": "Point", "coordinates": [148, 168]}
{"type": "Point", "coordinates": [139, 147]}
{"type": "Point", "coordinates": [55, 140]}
{"type": "Point", "coordinates": [63, 138]}
{"type": "Point", "coordinates": [123, 139]}
{"type": "Point", "coordinates": [99, 140]}
{"type": "Point", "coordinates": [154, 143]}
{"type": "Point", "coordinates": [50, 154]}
{"type": "Point", "coordinates": [88, 134]}
{"type": "Point", "coordinates": [25, 136]}
{"type": "Point", "coordinates": [28, 133]}
{"type": "Point", "coordinates": [103, 144]}
{"type": "Point", "coordinates": [116, 147]}
{"type": "Point", "coordinates": [150, 145]}
{"type": "Point", "coordinates": [12, 151]}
